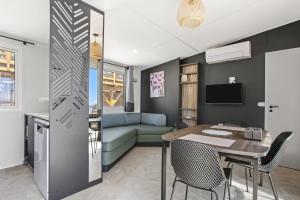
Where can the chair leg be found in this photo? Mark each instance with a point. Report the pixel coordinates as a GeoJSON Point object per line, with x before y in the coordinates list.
{"type": "Point", "coordinates": [273, 186]}
{"type": "Point", "coordinates": [231, 174]}
{"type": "Point", "coordinates": [228, 164]}
{"type": "Point", "coordinates": [186, 192]}
{"type": "Point", "coordinates": [91, 141]}
{"type": "Point", "coordinates": [250, 173]}
{"type": "Point", "coordinates": [217, 197]}
{"type": "Point", "coordinates": [211, 196]}
{"type": "Point", "coordinates": [246, 178]}
{"type": "Point", "coordinates": [261, 179]}
{"type": "Point", "coordinates": [173, 187]}
{"type": "Point", "coordinates": [225, 187]}
{"type": "Point", "coordinates": [95, 143]}
{"type": "Point", "coordinates": [228, 188]}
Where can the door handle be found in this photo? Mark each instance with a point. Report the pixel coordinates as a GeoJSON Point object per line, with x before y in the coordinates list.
{"type": "Point", "coordinates": [271, 107]}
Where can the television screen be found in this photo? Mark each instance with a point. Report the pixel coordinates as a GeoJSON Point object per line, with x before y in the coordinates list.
{"type": "Point", "coordinates": [224, 93]}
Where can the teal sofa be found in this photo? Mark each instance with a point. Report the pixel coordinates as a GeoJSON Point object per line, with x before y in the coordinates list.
{"type": "Point", "coordinates": [122, 131]}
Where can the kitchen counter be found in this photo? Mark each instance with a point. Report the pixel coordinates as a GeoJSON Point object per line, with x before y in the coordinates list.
{"type": "Point", "coordinates": [44, 116]}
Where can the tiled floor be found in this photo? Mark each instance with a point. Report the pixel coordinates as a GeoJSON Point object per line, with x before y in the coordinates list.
{"type": "Point", "coordinates": [137, 177]}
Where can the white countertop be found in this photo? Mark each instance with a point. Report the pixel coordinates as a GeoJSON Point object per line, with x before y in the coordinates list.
{"type": "Point", "coordinates": [44, 116]}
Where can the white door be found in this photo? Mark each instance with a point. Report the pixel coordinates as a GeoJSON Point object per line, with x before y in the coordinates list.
{"type": "Point", "coordinates": [283, 94]}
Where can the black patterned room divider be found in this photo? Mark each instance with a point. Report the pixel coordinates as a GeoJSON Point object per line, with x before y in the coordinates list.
{"type": "Point", "coordinates": [69, 64]}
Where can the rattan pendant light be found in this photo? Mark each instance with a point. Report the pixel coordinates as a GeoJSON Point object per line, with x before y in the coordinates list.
{"type": "Point", "coordinates": [190, 13]}
{"type": "Point", "coordinates": [95, 49]}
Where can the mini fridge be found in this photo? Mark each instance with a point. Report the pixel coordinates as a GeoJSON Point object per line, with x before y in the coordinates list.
{"type": "Point", "coordinates": [41, 156]}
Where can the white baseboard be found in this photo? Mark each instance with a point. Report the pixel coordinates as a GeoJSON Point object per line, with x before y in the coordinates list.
{"type": "Point", "coordinates": [11, 165]}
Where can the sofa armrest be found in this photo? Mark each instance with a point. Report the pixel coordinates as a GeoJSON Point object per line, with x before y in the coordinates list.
{"type": "Point", "coordinates": [154, 119]}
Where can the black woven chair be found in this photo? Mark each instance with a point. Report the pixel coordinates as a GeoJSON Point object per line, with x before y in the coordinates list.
{"type": "Point", "coordinates": [198, 165]}
{"type": "Point", "coordinates": [267, 163]}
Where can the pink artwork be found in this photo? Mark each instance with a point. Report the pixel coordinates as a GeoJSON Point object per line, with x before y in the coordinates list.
{"type": "Point", "coordinates": [157, 84]}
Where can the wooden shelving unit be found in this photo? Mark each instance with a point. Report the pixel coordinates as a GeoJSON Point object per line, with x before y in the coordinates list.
{"type": "Point", "coordinates": [189, 93]}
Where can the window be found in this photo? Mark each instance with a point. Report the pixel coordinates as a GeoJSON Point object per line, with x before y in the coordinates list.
{"type": "Point", "coordinates": [93, 94]}
{"type": "Point", "coordinates": [113, 92]}
{"type": "Point", "coordinates": [7, 78]}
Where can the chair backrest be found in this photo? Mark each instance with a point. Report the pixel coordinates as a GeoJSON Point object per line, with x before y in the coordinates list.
{"type": "Point", "coordinates": [273, 157]}
{"type": "Point", "coordinates": [196, 164]}
{"type": "Point", "coordinates": [95, 125]}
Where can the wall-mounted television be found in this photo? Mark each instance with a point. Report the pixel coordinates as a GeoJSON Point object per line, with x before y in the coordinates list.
{"type": "Point", "coordinates": [224, 93]}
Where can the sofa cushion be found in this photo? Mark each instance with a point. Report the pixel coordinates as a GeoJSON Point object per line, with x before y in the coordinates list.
{"type": "Point", "coordinates": [153, 119]}
{"type": "Point", "coordinates": [143, 129]}
{"type": "Point", "coordinates": [116, 136]}
{"type": "Point", "coordinates": [113, 120]}
{"type": "Point", "coordinates": [133, 118]}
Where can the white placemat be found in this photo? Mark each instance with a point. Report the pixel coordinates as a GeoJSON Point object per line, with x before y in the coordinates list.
{"type": "Point", "coordinates": [231, 128]}
{"type": "Point", "coordinates": [222, 142]}
{"type": "Point", "coordinates": [216, 132]}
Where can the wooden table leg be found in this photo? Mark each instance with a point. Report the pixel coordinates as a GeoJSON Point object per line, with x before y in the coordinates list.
{"type": "Point", "coordinates": [163, 170]}
{"type": "Point", "coordinates": [255, 179]}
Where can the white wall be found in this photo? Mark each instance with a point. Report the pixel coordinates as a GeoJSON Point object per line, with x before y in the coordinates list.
{"type": "Point", "coordinates": [34, 66]}
{"type": "Point", "coordinates": [137, 90]}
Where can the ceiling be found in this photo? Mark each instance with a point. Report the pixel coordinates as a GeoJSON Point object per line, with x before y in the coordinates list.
{"type": "Point", "coordinates": [146, 33]}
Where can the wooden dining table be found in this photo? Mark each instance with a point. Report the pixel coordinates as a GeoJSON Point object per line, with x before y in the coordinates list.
{"type": "Point", "coordinates": [242, 149]}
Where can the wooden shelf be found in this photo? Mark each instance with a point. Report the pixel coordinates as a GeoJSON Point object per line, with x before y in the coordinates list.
{"type": "Point", "coordinates": [189, 118]}
{"type": "Point", "coordinates": [192, 82]}
{"type": "Point", "coordinates": [193, 109]}
{"type": "Point", "coordinates": [188, 64]}
{"type": "Point", "coordinates": [188, 73]}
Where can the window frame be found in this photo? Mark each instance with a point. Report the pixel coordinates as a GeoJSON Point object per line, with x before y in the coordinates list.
{"type": "Point", "coordinates": [18, 76]}
{"type": "Point", "coordinates": [124, 87]}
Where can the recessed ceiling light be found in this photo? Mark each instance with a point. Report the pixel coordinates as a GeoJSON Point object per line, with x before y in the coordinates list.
{"type": "Point", "coordinates": [134, 51]}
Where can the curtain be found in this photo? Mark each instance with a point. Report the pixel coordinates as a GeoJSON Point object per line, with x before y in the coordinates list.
{"type": "Point", "coordinates": [129, 103]}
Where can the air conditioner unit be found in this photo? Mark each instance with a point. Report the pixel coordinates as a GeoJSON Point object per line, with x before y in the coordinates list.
{"type": "Point", "coordinates": [228, 53]}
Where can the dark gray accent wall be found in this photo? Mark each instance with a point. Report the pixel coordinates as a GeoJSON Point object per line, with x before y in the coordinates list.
{"type": "Point", "coordinates": [250, 72]}
{"type": "Point", "coordinates": [169, 103]}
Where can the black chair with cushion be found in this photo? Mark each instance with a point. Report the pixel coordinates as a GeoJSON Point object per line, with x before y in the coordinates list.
{"type": "Point", "coordinates": [267, 163]}
{"type": "Point", "coordinates": [238, 123]}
